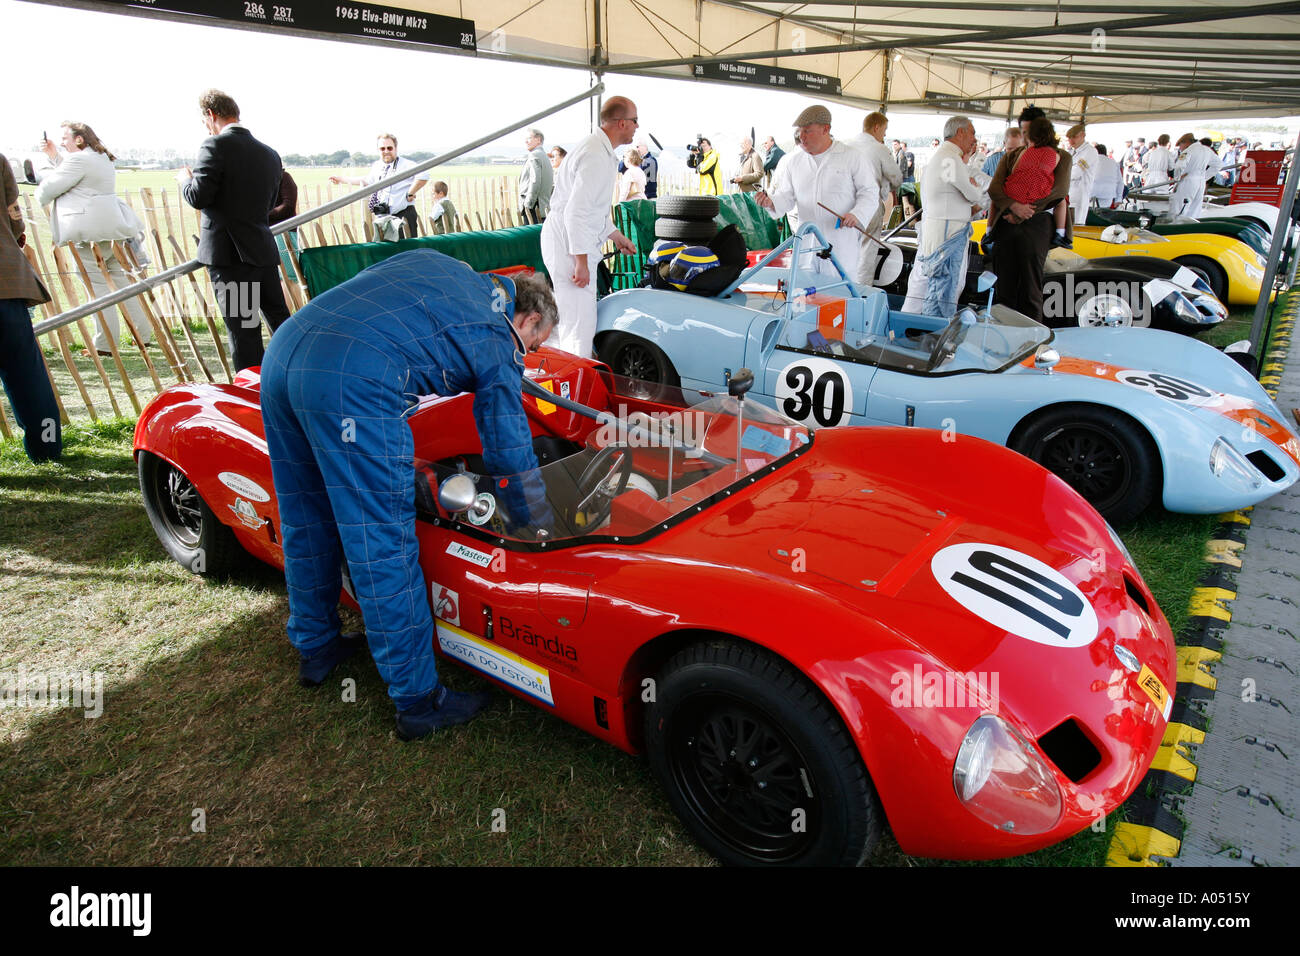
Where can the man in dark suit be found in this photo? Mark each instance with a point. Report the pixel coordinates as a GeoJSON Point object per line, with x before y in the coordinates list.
{"type": "Point", "coordinates": [235, 184]}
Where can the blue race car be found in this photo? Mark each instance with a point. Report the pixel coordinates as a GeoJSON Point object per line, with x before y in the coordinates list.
{"type": "Point", "coordinates": [1122, 414]}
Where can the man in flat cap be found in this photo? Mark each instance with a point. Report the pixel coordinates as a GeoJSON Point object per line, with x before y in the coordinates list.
{"type": "Point", "coordinates": [829, 172]}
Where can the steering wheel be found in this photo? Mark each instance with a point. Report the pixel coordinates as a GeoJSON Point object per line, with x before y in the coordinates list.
{"type": "Point", "coordinates": [603, 480]}
{"type": "Point", "coordinates": [946, 345]}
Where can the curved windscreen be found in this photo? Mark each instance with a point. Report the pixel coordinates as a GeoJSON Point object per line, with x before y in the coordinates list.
{"type": "Point", "coordinates": [648, 456]}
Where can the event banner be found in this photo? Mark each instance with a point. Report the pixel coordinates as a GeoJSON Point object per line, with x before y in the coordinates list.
{"type": "Point", "coordinates": [958, 104]}
{"type": "Point", "coordinates": [347, 19]}
{"type": "Point", "coordinates": [737, 72]}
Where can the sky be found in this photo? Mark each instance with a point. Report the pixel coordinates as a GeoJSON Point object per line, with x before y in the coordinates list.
{"type": "Point", "coordinates": [136, 82]}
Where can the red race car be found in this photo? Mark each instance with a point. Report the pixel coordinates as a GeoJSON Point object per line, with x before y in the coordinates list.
{"type": "Point", "coordinates": [807, 633]}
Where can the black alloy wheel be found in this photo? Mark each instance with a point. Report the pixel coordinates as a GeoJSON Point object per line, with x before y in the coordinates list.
{"type": "Point", "coordinates": [1107, 458]}
{"type": "Point", "coordinates": [756, 762]}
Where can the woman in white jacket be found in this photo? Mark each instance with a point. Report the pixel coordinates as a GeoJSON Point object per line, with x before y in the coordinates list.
{"type": "Point", "coordinates": [87, 212]}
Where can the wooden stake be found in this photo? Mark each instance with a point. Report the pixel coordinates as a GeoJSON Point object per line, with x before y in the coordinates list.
{"type": "Point", "coordinates": [161, 330]}
{"type": "Point", "coordinates": [103, 324]}
{"type": "Point", "coordinates": [60, 337]}
{"type": "Point", "coordinates": [69, 291]}
{"type": "Point", "coordinates": [207, 316]}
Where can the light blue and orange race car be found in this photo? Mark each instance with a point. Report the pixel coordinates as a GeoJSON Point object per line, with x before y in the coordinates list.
{"type": "Point", "coordinates": [1127, 416]}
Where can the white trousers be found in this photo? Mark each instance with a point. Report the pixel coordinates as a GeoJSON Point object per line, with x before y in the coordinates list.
{"type": "Point", "coordinates": [576, 305]}
{"type": "Point", "coordinates": [86, 250]}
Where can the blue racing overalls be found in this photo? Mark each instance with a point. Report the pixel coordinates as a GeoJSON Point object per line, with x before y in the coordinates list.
{"type": "Point", "coordinates": [338, 379]}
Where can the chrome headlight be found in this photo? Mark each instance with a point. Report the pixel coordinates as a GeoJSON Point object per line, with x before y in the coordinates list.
{"type": "Point", "coordinates": [1226, 462]}
{"type": "Point", "coordinates": [1002, 779]}
{"type": "Point", "coordinates": [1256, 274]}
{"type": "Point", "coordinates": [1185, 310]}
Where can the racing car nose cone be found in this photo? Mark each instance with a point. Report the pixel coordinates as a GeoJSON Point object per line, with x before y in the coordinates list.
{"type": "Point", "coordinates": [1127, 658]}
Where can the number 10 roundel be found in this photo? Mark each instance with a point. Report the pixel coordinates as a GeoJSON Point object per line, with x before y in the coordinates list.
{"type": "Point", "coordinates": [1017, 593]}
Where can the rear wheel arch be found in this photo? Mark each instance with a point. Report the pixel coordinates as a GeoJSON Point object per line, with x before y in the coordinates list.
{"type": "Point", "coordinates": [189, 530]}
{"type": "Point", "coordinates": [635, 356]}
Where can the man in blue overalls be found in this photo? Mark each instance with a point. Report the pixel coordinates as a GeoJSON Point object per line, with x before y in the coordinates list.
{"type": "Point", "coordinates": [337, 382]}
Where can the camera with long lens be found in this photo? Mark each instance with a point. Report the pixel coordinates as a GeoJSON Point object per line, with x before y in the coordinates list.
{"type": "Point", "coordinates": [695, 152]}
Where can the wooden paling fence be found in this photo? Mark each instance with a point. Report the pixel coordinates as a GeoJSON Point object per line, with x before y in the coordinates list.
{"type": "Point", "coordinates": [184, 322]}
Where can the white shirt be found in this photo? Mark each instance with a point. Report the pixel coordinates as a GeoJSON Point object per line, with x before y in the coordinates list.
{"type": "Point", "coordinates": [394, 195]}
{"type": "Point", "coordinates": [839, 177]}
{"type": "Point", "coordinates": [584, 186]}
{"type": "Point", "coordinates": [1109, 186]}
{"type": "Point", "coordinates": [632, 184]}
{"type": "Point", "coordinates": [1193, 167]}
{"type": "Point", "coordinates": [1083, 173]}
{"type": "Point", "coordinates": [881, 159]}
{"type": "Point", "coordinates": [947, 194]}
{"type": "Point", "coordinates": [1158, 163]}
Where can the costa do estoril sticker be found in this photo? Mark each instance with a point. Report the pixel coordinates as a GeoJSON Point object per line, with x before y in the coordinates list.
{"type": "Point", "coordinates": [243, 486]}
{"type": "Point", "coordinates": [1017, 593]}
{"type": "Point", "coordinates": [816, 389]}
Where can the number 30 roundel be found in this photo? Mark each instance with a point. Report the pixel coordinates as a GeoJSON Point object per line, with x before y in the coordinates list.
{"type": "Point", "coordinates": [1017, 593]}
{"type": "Point", "coordinates": [816, 389]}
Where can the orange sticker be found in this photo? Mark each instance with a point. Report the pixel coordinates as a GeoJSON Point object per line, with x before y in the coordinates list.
{"type": "Point", "coordinates": [1156, 690]}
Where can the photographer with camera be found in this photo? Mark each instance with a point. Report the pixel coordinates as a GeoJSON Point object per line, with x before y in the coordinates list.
{"type": "Point", "coordinates": [392, 204]}
{"type": "Point", "coordinates": [703, 158]}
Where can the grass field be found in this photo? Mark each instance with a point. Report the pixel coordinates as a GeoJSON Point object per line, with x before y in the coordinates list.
{"type": "Point", "coordinates": [203, 721]}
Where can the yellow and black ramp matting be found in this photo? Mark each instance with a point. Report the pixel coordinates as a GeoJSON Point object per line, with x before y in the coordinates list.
{"type": "Point", "coordinates": [1224, 789]}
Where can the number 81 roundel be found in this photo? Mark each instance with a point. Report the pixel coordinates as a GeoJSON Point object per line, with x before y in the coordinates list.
{"type": "Point", "coordinates": [1017, 593]}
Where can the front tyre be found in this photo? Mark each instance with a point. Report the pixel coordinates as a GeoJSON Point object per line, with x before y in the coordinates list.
{"type": "Point", "coordinates": [756, 762]}
{"type": "Point", "coordinates": [188, 529]}
{"type": "Point", "coordinates": [1105, 456]}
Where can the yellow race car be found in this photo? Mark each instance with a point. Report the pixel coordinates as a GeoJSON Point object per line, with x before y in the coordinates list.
{"type": "Point", "coordinates": [1234, 271]}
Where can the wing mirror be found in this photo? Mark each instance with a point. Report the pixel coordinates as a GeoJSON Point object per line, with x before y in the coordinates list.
{"type": "Point", "coordinates": [740, 383]}
{"type": "Point", "coordinates": [1045, 359]}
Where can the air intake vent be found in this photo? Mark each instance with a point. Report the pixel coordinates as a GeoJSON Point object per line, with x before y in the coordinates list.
{"type": "Point", "coordinates": [1136, 594]}
{"type": "Point", "coordinates": [1069, 748]}
{"type": "Point", "coordinates": [1265, 463]}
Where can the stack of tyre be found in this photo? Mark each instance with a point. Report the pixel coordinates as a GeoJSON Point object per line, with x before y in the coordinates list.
{"type": "Point", "coordinates": [686, 218]}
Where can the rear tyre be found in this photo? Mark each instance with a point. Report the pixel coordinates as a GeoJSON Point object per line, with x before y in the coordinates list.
{"type": "Point", "coordinates": [757, 763]}
{"type": "Point", "coordinates": [1211, 272]}
{"type": "Point", "coordinates": [1106, 457]}
{"type": "Point", "coordinates": [699, 208]}
{"type": "Point", "coordinates": [634, 357]}
{"type": "Point", "coordinates": [688, 230]}
{"type": "Point", "coordinates": [189, 530]}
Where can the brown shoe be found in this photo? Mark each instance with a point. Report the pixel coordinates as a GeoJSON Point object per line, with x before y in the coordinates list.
{"type": "Point", "coordinates": [1295, 413]}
